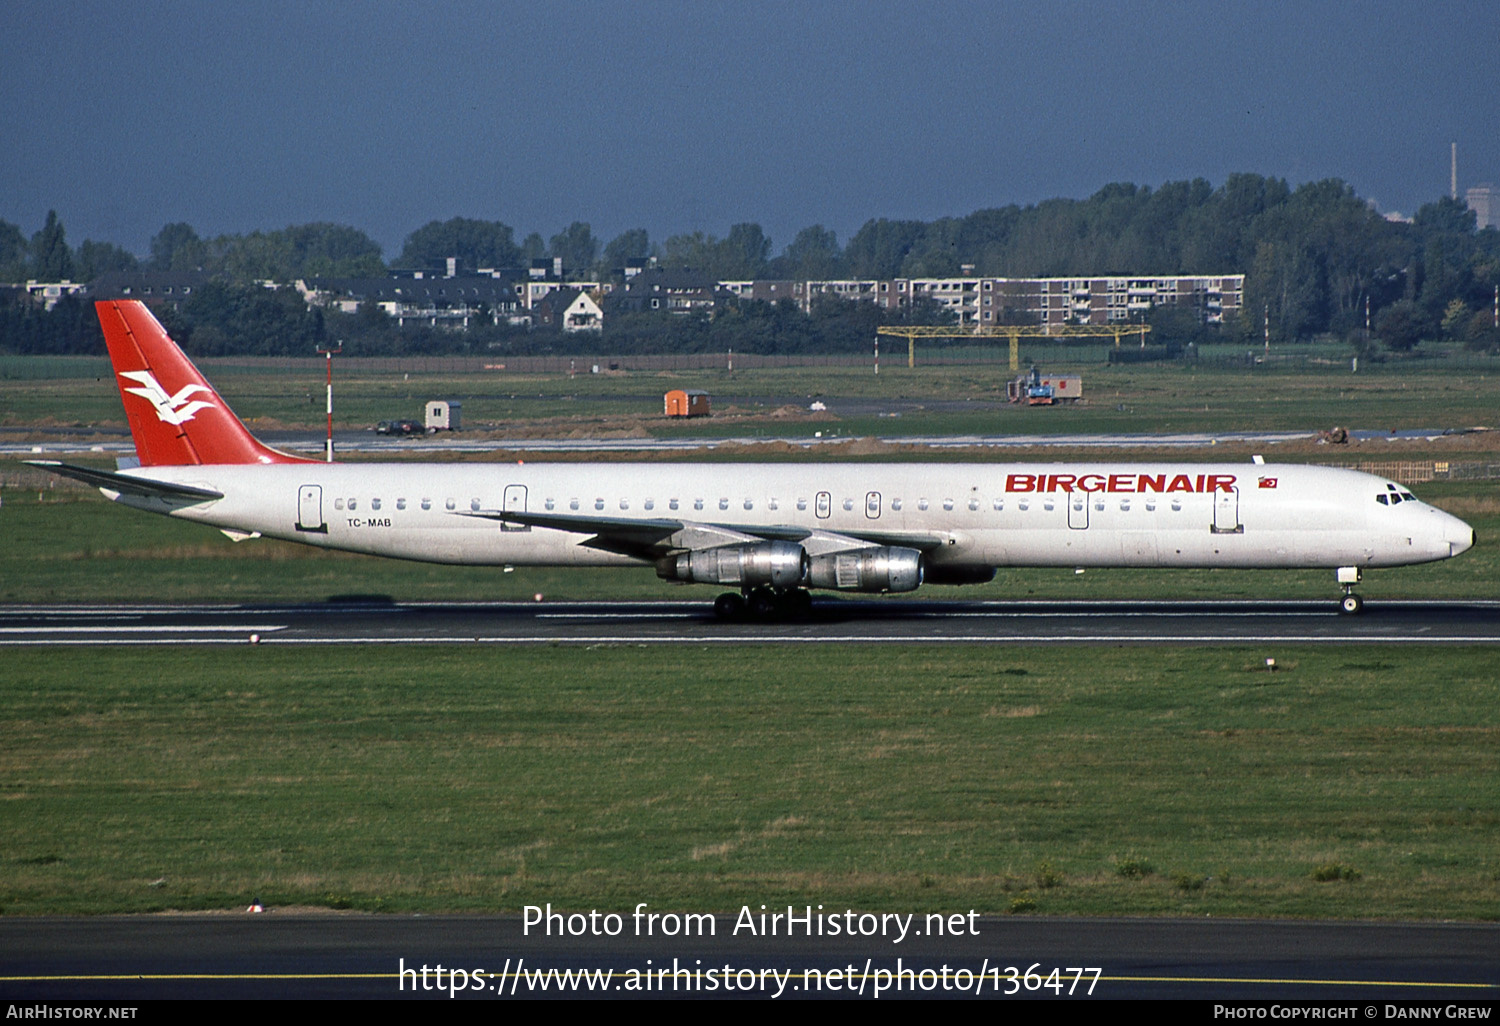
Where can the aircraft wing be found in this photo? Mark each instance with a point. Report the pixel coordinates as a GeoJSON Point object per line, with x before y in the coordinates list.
{"type": "Point", "coordinates": [652, 538]}
{"type": "Point", "coordinates": [645, 538]}
{"type": "Point", "coordinates": [127, 484]}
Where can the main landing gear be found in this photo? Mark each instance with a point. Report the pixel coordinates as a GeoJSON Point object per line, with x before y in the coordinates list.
{"type": "Point", "coordinates": [763, 604]}
{"type": "Point", "coordinates": [1351, 604]}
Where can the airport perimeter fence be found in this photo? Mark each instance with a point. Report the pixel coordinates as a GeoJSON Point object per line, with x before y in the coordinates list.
{"type": "Point", "coordinates": [1410, 472]}
{"type": "Point", "coordinates": [1302, 359]}
{"type": "Point", "coordinates": [1053, 358]}
{"type": "Point", "coordinates": [584, 366]}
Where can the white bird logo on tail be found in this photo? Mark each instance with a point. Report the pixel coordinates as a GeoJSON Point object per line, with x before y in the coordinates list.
{"type": "Point", "coordinates": [172, 409]}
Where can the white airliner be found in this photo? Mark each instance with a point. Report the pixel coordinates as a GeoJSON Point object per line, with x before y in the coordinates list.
{"type": "Point", "coordinates": [769, 531]}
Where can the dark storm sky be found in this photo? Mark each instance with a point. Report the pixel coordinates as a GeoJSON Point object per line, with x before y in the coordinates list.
{"type": "Point", "coordinates": [678, 117]}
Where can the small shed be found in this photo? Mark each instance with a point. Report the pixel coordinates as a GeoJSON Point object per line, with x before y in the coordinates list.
{"type": "Point", "coordinates": [443, 415]}
{"type": "Point", "coordinates": [687, 402]}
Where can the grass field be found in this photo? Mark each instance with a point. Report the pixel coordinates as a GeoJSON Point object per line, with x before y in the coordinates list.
{"type": "Point", "coordinates": [1114, 781]}
{"type": "Point", "coordinates": [1168, 398]}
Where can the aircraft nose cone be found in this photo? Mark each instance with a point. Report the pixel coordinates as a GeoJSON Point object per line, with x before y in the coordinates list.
{"type": "Point", "coordinates": [1461, 537]}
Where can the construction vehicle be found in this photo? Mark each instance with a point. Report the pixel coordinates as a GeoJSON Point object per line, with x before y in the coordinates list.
{"type": "Point", "coordinates": [1034, 390]}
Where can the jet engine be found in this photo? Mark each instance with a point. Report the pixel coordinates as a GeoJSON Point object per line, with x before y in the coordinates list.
{"type": "Point", "coordinates": [778, 564]}
{"type": "Point", "coordinates": [882, 569]}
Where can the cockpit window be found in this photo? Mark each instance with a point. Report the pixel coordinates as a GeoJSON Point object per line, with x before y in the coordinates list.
{"type": "Point", "coordinates": [1394, 496]}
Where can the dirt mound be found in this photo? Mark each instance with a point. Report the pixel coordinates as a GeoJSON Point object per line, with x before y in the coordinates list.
{"type": "Point", "coordinates": [865, 447]}
{"type": "Point", "coordinates": [760, 449]}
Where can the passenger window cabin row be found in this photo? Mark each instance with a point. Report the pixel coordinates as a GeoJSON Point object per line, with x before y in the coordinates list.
{"type": "Point", "coordinates": [872, 504]}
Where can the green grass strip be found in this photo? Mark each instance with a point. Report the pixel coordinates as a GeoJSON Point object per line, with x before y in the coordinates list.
{"type": "Point", "coordinates": [1088, 781]}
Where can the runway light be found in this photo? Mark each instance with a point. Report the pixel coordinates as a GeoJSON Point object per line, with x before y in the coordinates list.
{"type": "Point", "coordinates": [255, 906]}
{"type": "Point", "coordinates": [255, 639]}
{"type": "Point", "coordinates": [538, 596]}
{"type": "Point", "coordinates": [1271, 665]}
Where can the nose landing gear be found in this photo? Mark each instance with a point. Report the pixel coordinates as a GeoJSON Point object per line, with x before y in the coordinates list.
{"type": "Point", "coordinates": [1351, 604]}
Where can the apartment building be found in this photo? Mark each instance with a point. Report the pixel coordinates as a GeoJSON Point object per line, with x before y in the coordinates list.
{"type": "Point", "coordinates": [434, 302]}
{"type": "Point", "coordinates": [993, 301]}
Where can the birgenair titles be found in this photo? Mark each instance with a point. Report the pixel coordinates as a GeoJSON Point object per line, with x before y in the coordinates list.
{"type": "Point", "coordinates": [768, 532]}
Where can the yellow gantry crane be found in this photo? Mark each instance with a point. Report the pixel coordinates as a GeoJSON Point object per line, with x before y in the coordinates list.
{"type": "Point", "coordinates": [1015, 332]}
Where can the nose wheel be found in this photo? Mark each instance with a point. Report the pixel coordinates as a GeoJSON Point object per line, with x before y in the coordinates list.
{"type": "Point", "coordinates": [1351, 604]}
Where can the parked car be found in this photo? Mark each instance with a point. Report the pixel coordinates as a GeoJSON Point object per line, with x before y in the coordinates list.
{"type": "Point", "coordinates": [399, 427]}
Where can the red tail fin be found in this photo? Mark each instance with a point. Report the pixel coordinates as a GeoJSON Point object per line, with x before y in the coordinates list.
{"type": "Point", "coordinates": [176, 417]}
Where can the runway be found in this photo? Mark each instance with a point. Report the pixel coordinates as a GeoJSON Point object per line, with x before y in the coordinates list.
{"type": "Point", "coordinates": [833, 621]}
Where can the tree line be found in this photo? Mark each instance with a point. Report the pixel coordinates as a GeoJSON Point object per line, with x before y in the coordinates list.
{"type": "Point", "coordinates": [1317, 259]}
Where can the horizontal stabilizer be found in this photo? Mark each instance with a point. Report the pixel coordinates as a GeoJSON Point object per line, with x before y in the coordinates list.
{"type": "Point", "coordinates": [127, 484]}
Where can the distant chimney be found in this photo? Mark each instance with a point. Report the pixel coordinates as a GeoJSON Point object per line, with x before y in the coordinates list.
{"type": "Point", "coordinates": [453, 267]}
{"type": "Point", "coordinates": [557, 267]}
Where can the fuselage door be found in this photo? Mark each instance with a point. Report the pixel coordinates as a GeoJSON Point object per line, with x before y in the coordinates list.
{"type": "Point", "coordinates": [1078, 511]}
{"type": "Point", "coordinates": [824, 505]}
{"type": "Point", "coordinates": [310, 509]}
{"type": "Point", "coordinates": [872, 505]}
{"type": "Point", "coordinates": [515, 502]}
{"type": "Point", "coordinates": [1227, 512]}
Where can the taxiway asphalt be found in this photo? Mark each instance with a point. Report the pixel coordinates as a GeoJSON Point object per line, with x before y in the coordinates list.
{"type": "Point", "coordinates": [238, 955]}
